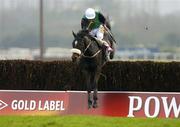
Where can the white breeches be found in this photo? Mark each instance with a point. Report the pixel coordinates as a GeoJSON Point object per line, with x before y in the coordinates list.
{"type": "Point", "coordinates": [98, 32]}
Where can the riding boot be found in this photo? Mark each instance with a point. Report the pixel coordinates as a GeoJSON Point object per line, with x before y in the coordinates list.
{"type": "Point", "coordinates": [105, 47]}
{"type": "Point", "coordinates": [109, 49]}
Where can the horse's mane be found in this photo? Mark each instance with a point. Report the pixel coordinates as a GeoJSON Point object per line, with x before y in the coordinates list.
{"type": "Point", "coordinates": [85, 33]}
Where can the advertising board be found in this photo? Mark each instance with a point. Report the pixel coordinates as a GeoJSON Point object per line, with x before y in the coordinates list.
{"type": "Point", "coordinates": [110, 103]}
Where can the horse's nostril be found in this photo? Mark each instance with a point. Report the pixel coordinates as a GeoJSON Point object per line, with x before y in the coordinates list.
{"type": "Point", "coordinates": [74, 57]}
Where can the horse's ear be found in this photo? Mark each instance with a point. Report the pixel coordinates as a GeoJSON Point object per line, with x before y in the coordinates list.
{"type": "Point", "coordinates": [74, 34]}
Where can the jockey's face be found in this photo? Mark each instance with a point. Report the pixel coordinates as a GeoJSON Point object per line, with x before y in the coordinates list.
{"type": "Point", "coordinates": [91, 20]}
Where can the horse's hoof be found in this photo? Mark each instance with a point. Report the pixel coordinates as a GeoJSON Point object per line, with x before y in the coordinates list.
{"type": "Point", "coordinates": [89, 104]}
{"type": "Point", "coordinates": [95, 105]}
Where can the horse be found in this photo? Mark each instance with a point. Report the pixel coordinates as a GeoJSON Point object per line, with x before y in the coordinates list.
{"type": "Point", "coordinates": [87, 53]}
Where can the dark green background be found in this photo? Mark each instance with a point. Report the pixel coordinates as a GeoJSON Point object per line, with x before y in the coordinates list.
{"type": "Point", "coordinates": [64, 75]}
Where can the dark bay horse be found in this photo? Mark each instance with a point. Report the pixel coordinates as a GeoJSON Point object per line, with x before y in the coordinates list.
{"type": "Point", "coordinates": [90, 58]}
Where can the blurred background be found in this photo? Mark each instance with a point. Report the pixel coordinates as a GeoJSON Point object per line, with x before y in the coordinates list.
{"type": "Point", "coordinates": [42, 29]}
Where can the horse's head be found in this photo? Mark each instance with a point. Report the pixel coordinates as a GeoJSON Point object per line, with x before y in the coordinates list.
{"type": "Point", "coordinates": [80, 44]}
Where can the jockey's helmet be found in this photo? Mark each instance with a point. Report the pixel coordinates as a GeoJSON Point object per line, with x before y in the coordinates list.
{"type": "Point", "coordinates": [90, 13]}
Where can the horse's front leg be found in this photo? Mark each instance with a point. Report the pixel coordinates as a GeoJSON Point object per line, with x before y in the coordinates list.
{"type": "Point", "coordinates": [89, 99]}
{"type": "Point", "coordinates": [89, 92]}
{"type": "Point", "coordinates": [95, 88]}
{"type": "Point", "coordinates": [95, 98]}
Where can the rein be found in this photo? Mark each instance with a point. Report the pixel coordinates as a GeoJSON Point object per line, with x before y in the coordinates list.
{"type": "Point", "coordinates": [77, 51]}
{"type": "Point", "coordinates": [92, 55]}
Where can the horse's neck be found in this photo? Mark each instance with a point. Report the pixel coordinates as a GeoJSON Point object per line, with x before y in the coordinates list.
{"type": "Point", "coordinates": [94, 43]}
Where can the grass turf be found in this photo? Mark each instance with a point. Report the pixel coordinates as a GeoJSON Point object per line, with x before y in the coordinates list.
{"type": "Point", "coordinates": [84, 121]}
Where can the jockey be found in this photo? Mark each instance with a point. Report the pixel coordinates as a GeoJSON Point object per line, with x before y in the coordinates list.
{"type": "Point", "coordinates": [94, 21]}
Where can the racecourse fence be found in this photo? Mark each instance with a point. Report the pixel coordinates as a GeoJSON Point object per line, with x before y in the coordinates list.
{"type": "Point", "coordinates": [64, 75]}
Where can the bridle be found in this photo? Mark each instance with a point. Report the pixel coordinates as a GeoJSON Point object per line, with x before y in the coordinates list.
{"type": "Point", "coordinates": [78, 51]}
